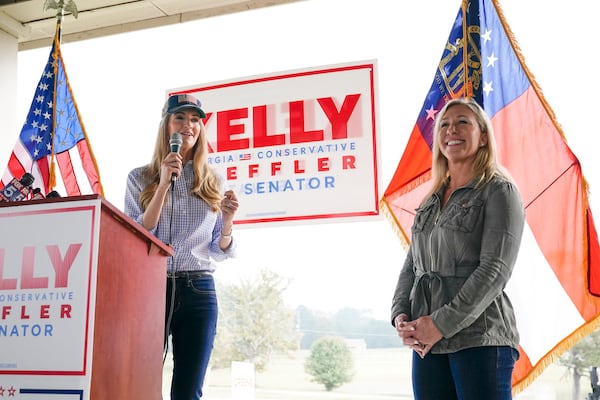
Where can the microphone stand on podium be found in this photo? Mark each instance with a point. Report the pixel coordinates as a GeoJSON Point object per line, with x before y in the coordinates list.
{"type": "Point", "coordinates": [22, 189]}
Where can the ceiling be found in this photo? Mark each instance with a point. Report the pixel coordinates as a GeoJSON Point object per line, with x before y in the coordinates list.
{"type": "Point", "coordinates": [34, 27]}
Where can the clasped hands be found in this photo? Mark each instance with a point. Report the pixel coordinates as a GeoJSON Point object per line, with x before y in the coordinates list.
{"type": "Point", "coordinates": [420, 334]}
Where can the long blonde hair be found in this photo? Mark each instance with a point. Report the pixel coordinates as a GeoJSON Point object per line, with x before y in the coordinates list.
{"type": "Point", "coordinates": [486, 164]}
{"type": "Point", "coordinates": [206, 184]}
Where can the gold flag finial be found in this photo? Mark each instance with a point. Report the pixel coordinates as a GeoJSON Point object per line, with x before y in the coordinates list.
{"type": "Point", "coordinates": [61, 6]}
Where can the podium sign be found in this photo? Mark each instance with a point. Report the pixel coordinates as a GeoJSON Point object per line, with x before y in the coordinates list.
{"type": "Point", "coordinates": [48, 265]}
{"type": "Point", "coordinates": [49, 255]}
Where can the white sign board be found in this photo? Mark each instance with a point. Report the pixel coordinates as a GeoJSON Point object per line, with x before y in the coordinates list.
{"type": "Point", "coordinates": [297, 145]}
{"type": "Point", "coordinates": [242, 380]}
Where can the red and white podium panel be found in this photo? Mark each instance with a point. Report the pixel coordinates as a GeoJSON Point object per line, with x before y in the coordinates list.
{"type": "Point", "coordinates": [82, 292]}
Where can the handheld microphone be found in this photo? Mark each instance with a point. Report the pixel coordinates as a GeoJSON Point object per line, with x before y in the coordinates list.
{"type": "Point", "coordinates": [175, 144]}
{"type": "Point", "coordinates": [17, 190]}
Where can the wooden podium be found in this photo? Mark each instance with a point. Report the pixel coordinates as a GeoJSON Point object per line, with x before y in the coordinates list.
{"type": "Point", "coordinates": [112, 342]}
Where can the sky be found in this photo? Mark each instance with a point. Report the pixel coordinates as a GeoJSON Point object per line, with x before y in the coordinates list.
{"type": "Point", "coordinates": [119, 83]}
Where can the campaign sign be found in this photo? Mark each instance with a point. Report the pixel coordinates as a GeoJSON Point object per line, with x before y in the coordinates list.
{"type": "Point", "coordinates": [297, 145]}
{"type": "Point", "coordinates": [47, 298]}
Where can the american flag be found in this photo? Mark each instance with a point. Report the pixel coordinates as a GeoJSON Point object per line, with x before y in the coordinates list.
{"type": "Point", "coordinates": [245, 156]}
{"type": "Point", "coordinates": [555, 286]}
{"type": "Point", "coordinates": [53, 133]}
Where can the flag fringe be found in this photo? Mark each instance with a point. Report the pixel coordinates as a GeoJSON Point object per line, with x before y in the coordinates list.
{"type": "Point", "coordinates": [553, 355]}
{"type": "Point", "coordinates": [396, 227]}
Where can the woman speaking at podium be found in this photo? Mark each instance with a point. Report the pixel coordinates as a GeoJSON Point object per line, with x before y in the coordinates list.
{"type": "Point", "coordinates": [180, 199]}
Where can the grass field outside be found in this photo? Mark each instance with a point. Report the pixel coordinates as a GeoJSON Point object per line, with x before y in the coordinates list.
{"type": "Point", "coordinates": [380, 374]}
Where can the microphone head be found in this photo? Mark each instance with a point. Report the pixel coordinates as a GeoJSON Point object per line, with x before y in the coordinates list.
{"type": "Point", "coordinates": [175, 142]}
{"type": "Point", "coordinates": [53, 194]}
{"type": "Point", "coordinates": [27, 179]}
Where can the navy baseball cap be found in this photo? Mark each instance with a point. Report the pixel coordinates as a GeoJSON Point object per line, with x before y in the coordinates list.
{"type": "Point", "coordinates": [178, 102]}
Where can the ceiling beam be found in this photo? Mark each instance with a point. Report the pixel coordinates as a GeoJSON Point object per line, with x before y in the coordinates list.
{"type": "Point", "coordinates": [12, 26]}
{"type": "Point", "coordinates": [39, 33]}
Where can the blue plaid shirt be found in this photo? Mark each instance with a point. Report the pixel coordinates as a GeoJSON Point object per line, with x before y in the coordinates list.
{"type": "Point", "coordinates": [186, 222]}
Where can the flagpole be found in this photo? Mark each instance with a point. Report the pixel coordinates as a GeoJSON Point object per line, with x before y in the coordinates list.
{"type": "Point", "coordinates": [467, 89]}
{"type": "Point", "coordinates": [56, 47]}
{"type": "Point", "coordinates": [60, 7]}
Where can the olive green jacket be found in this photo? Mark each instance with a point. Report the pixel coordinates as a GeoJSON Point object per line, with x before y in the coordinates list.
{"type": "Point", "coordinates": [458, 263]}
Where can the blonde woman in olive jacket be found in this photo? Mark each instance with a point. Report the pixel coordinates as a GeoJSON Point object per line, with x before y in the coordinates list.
{"type": "Point", "coordinates": [449, 305]}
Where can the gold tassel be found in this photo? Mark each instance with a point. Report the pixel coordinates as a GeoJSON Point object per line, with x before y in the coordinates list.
{"type": "Point", "coordinates": [52, 182]}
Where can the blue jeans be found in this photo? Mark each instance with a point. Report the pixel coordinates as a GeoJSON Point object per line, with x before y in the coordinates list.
{"type": "Point", "coordinates": [471, 374]}
{"type": "Point", "coordinates": [193, 326]}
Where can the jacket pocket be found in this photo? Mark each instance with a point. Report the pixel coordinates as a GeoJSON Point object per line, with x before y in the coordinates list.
{"type": "Point", "coordinates": [464, 216]}
{"type": "Point", "coordinates": [423, 215]}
